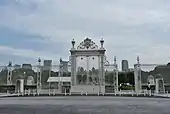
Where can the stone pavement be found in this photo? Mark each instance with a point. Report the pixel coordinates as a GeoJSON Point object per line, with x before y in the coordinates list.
{"type": "Point", "coordinates": [84, 105]}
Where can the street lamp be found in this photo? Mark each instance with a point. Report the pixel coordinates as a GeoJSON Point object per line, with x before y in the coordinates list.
{"type": "Point", "coordinates": [39, 76]}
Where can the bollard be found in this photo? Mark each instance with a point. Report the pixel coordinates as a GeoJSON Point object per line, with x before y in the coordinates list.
{"type": "Point", "coordinates": [103, 93]}
{"type": "Point", "coordinates": [38, 92]}
{"type": "Point", "coordinates": [18, 92]}
{"type": "Point", "coordinates": [167, 93]}
{"type": "Point", "coordinates": [154, 94]}
{"type": "Point", "coordinates": [86, 93]}
{"type": "Point", "coordinates": [33, 94]}
{"type": "Point", "coordinates": [150, 93]}
{"type": "Point", "coordinates": [29, 92]}
{"type": "Point", "coordinates": [93, 91]}
{"type": "Point", "coordinates": [120, 92]}
{"type": "Point", "coordinates": [49, 93]}
{"type": "Point", "coordinates": [54, 92]}
{"type": "Point", "coordinates": [81, 93]}
{"type": "Point", "coordinates": [25, 92]}
{"type": "Point", "coordinates": [65, 92]}
{"type": "Point", "coordinates": [98, 93]}
{"type": "Point", "coordinates": [70, 93]}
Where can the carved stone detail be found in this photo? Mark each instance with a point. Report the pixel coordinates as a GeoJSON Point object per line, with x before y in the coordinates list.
{"type": "Point", "coordinates": [87, 44]}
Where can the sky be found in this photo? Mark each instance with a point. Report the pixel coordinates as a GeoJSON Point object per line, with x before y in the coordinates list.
{"type": "Point", "coordinates": [45, 28]}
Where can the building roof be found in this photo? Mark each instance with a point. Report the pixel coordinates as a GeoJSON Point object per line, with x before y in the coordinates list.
{"type": "Point", "coordinates": [59, 79]}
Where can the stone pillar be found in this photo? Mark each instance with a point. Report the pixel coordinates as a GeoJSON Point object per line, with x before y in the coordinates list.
{"type": "Point", "coordinates": [99, 67]}
{"type": "Point", "coordinates": [102, 71]}
{"type": "Point", "coordinates": [102, 53]}
{"type": "Point", "coordinates": [157, 86]}
{"type": "Point", "coordinates": [136, 78]}
{"type": "Point", "coordinates": [87, 70]}
{"type": "Point", "coordinates": [73, 63]}
{"type": "Point", "coordinates": [116, 84]}
{"type": "Point", "coordinates": [137, 74]}
{"type": "Point", "coordinates": [9, 76]}
{"type": "Point", "coordinates": [73, 70]}
{"type": "Point", "coordinates": [21, 86]}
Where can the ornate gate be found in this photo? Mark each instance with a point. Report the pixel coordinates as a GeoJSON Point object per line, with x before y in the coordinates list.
{"type": "Point", "coordinates": [87, 66]}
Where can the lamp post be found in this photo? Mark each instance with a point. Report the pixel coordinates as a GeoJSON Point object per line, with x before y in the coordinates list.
{"type": "Point", "coordinates": [49, 73]}
{"type": "Point", "coordinates": [39, 76]}
{"type": "Point", "coordinates": [59, 74]}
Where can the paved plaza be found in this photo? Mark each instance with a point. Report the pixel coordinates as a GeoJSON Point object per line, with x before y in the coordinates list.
{"type": "Point", "coordinates": [84, 105]}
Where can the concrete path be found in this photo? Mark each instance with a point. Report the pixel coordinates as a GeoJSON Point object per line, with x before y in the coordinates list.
{"type": "Point", "coordinates": [84, 105]}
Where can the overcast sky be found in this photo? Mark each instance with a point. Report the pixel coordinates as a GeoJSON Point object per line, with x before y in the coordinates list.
{"type": "Point", "coordinates": [44, 28]}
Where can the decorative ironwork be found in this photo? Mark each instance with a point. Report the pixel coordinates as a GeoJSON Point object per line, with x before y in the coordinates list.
{"type": "Point", "coordinates": [106, 62]}
{"type": "Point", "coordinates": [87, 44]}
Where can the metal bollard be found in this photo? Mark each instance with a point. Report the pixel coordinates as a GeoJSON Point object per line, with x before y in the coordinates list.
{"type": "Point", "coordinates": [86, 93]}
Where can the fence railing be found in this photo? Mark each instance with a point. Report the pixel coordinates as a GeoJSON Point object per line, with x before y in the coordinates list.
{"type": "Point", "coordinates": [55, 92]}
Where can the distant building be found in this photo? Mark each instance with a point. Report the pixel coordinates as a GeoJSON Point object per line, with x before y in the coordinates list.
{"type": "Point", "coordinates": [125, 66]}
{"type": "Point", "coordinates": [16, 66]}
{"type": "Point", "coordinates": [47, 65]}
{"type": "Point", "coordinates": [27, 66]}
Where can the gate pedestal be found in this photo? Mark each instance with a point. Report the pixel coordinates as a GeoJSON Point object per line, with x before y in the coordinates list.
{"type": "Point", "coordinates": [91, 89]}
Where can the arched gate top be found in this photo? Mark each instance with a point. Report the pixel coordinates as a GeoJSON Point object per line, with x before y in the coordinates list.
{"type": "Point", "coordinates": [87, 44]}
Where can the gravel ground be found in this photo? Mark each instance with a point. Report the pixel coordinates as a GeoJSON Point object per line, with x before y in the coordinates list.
{"type": "Point", "coordinates": [84, 105]}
